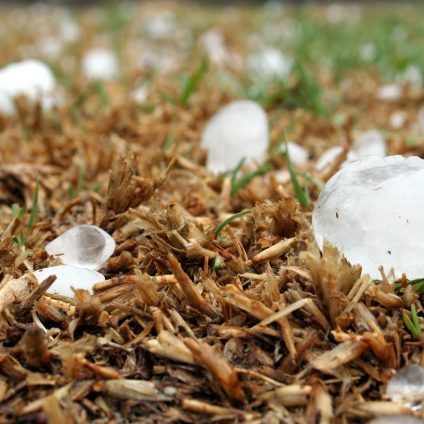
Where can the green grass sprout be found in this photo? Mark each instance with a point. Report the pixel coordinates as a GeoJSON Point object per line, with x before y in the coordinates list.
{"type": "Point", "coordinates": [169, 141]}
{"type": "Point", "coordinates": [19, 239]}
{"type": "Point", "coordinates": [73, 192]}
{"type": "Point", "coordinates": [17, 211]}
{"type": "Point", "coordinates": [412, 323]}
{"type": "Point", "coordinates": [217, 263]}
{"type": "Point", "coordinates": [191, 82]}
{"type": "Point", "coordinates": [417, 285]}
{"type": "Point", "coordinates": [100, 89]}
{"type": "Point", "coordinates": [34, 208]}
{"type": "Point", "coordinates": [238, 183]}
{"type": "Point", "coordinates": [230, 219]}
{"type": "Point", "coordinates": [301, 195]}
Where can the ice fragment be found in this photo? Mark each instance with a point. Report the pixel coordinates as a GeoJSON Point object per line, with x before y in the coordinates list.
{"type": "Point", "coordinates": [239, 130]}
{"type": "Point", "coordinates": [85, 246]}
{"type": "Point", "coordinates": [69, 276]}
{"type": "Point", "coordinates": [372, 211]}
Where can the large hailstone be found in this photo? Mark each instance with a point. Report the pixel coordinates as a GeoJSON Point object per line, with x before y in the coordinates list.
{"type": "Point", "coordinates": [68, 277]}
{"type": "Point", "coordinates": [238, 130]}
{"type": "Point", "coordinates": [372, 211]}
{"type": "Point", "coordinates": [84, 246]}
{"type": "Point", "coordinates": [29, 78]}
{"type": "Point", "coordinates": [100, 63]}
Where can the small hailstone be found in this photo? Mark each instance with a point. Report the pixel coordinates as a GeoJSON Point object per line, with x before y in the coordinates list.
{"type": "Point", "coordinates": [162, 60]}
{"type": "Point", "coordinates": [161, 25]}
{"type": "Point", "coordinates": [337, 13]}
{"type": "Point", "coordinates": [69, 29]}
{"type": "Point", "coordinates": [85, 246]}
{"type": "Point", "coordinates": [238, 130]}
{"type": "Point", "coordinates": [50, 47]}
{"type": "Point", "coordinates": [69, 276]}
{"type": "Point", "coordinates": [397, 419]}
{"type": "Point", "coordinates": [381, 199]}
{"type": "Point", "coordinates": [397, 119]}
{"type": "Point", "coordinates": [214, 45]}
{"type": "Point", "coordinates": [413, 76]}
{"type": "Point", "coordinates": [273, 8]}
{"type": "Point", "coordinates": [139, 95]}
{"type": "Point", "coordinates": [270, 63]}
{"type": "Point", "coordinates": [298, 154]}
{"type": "Point", "coordinates": [367, 52]}
{"type": "Point", "coordinates": [101, 64]}
{"type": "Point", "coordinates": [29, 78]}
{"type": "Point", "coordinates": [389, 92]}
{"type": "Point", "coordinates": [328, 157]}
{"type": "Point", "coordinates": [407, 385]}
{"type": "Point", "coordinates": [367, 143]}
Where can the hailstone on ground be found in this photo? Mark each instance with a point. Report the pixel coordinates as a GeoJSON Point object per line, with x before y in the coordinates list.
{"type": "Point", "coordinates": [68, 277]}
{"type": "Point", "coordinates": [30, 78]}
{"type": "Point", "coordinates": [372, 211]}
{"type": "Point", "coordinates": [100, 64]}
{"type": "Point", "coordinates": [238, 130]}
{"type": "Point", "coordinates": [84, 246]}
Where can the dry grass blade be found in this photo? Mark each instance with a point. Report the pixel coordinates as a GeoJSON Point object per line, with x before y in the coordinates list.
{"type": "Point", "coordinates": [235, 297]}
{"type": "Point", "coordinates": [272, 252]}
{"type": "Point", "coordinates": [13, 290]}
{"type": "Point", "coordinates": [291, 395]}
{"type": "Point", "coordinates": [189, 289]}
{"type": "Point", "coordinates": [287, 310]}
{"type": "Point", "coordinates": [139, 390]}
{"type": "Point", "coordinates": [28, 303]}
{"type": "Point", "coordinates": [169, 346]}
{"type": "Point", "coordinates": [218, 366]}
{"type": "Point", "coordinates": [345, 352]}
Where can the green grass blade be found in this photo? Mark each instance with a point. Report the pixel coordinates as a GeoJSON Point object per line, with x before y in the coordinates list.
{"type": "Point", "coordinates": [237, 185]}
{"type": "Point", "coordinates": [236, 170]}
{"type": "Point", "coordinates": [34, 208]}
{"type": "Point", "coordinates": [414, 317]}
{"type": "Point", "coordinates": [418, 285]}
{"type": "Point", "coordinates": [229, 220]}
{"type": "Point", "coordinates": [217, 263]}
{"type": "Point", "coordinates": [17, 211]}
{"type": "Point", "coordinates": [302, 196]}
{"type": "Point", "coordinates": [192, 82]}
{"type": "Point", "coordinates": [169, 141]}
{"type": "Point", "coordinates": [410, 325]}
{"type": "Point", "coordinates": [100, 90]}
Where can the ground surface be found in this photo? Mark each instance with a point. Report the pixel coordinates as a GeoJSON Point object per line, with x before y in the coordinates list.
{"type": "Point", "coordinates": [185, 327]}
